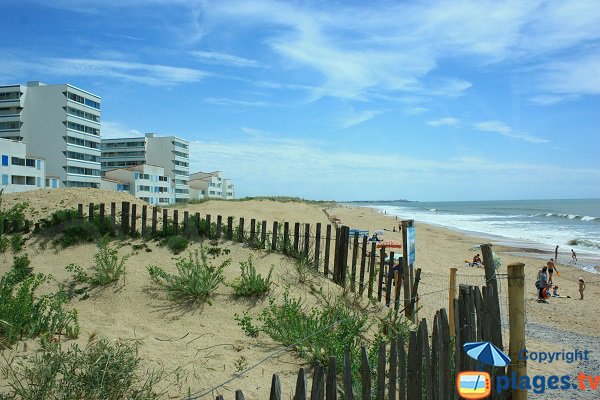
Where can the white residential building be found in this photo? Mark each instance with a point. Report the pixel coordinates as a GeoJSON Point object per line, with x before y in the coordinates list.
{"type": "Point", "coordinates": [211, 185]}
{"type": "Point", "coordinates": [146, 182]}
{"type": "Point", "coordinates": [20, 172]}
{"type": "Point", "coordinates": [60, 123]}
{"type": "Point", "coordinates": [168, 152]}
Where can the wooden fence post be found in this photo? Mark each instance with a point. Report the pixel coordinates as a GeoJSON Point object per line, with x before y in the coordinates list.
{"type": "Point", "coordinates": [91, 212]}
{"type": "Point", "coordinates": [451, 297]}
{"type": "Point", "coordinates": [113, 214]}
{"type": "Point", "coordinates": [306, 239]}
{"type": "Point", "coordinates": [401, 368]}
{"type": "Point", "coordinates": [343, 255]}
{"type": "Point", "coordinates": [296, 237]}
{"type": "Point", "coordinates": [133, 218]}
{"type": "Point", "coordinates": [263, 234]}
{"type": "Point", "coordinates": [176, 221]}
{"type": "Point", "coordinates": [372, 269]}
{"type": "Point", "coordinates": [165, 221]}
{"type": "Point", "coordinates": [363, 262]}
{"type": "Point", "coordinates": [381, 358]}
{"type": "Point", "coordinates": [125, 217]}
{"type": "Point", "coordinates": [300, 393]}
{"type": "Point", "coordinates": [388, 279]}
{"type": "Point", "coordinates": [230, 228]}
{"type": "Point", "coordinates": [365, 373]}
{"type": "Point", "coordinates": [197, 224]}
{"type": "Point", "coordinates": [80, 211]}
{"type": "Point", "coordinates": [327, 250]}
{"type": "Point", "coordinates": [219, 226]}
{"type": "Point", "coordinates": [144, 219]}
{"type": "Point", "coordinates": [381, 272]}
{"type": "Point", "coordinates": [331, 389]}
{"type": "Point", "coordinates": [490, 278]}
{"type": "Point", "coordinates": [275, 393]}
{"type": "Point", "coordinates": [318, 385]}
{"type": "Point", "coordinates": [240, 237]}
{"type": "Point", "coordinates": [516, 321]}
{"type": "Point", "coordinates": [393, 371]}
{"type": "Point", "coordinates": [275, 234]}
{"type": "Point", "coordinates": [414, 295]}
{"type": "Point", "coordinates": [354, 262]}
{"type": "Point", "coordinates": [413, 391]}
{"type": "Point", "coordinates": [186, 222]}
{"type": "Point", "coordinates": [317, 260]}
{"type": "Point", "coordinates": [154, 219]}
{"type": "Point", "coordinates": [208, 226]}
{"type": "Point", "coordinates": [101, 214]}
{"type": "Point", "coordinates": [286, 237]}
{"type": "Point", "coordinates": [347, 377]}
{"type": "Point", "coordinates": [252, 231]}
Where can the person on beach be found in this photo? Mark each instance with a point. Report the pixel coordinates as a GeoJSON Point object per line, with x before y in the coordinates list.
{"type": "Point", "coordinates": [543, 285]}
{"type": "Point", "coordinates": [573, 255]}
{"type": "Point", "coordinates": [551, 267]}
{"type": "Point", "coordinates": [556, 253]}
{"type": "Point", "coordinates": [477, 261]}
{"type": "Point", "coordinates": [581, 287]}
{"type": "Point", "coordinates": [555, 291]}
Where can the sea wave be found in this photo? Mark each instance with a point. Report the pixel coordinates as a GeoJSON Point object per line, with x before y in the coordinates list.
{"type": "Point", "coordinates": [570, 216]}
{"type": "Point", "coordinates": [584, 243]}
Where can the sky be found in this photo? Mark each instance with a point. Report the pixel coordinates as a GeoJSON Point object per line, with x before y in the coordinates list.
{"type": "Point", "coordinates": [342, 100]}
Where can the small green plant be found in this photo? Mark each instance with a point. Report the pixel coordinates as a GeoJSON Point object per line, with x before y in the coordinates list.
{"type": "Point", "coordinates": [251, 284]}
{"type": "Point", "coordinates": [103, 369]}
{"type": "Point", "coordinates": [240, 364]}
{"type": "Point", "coordinates": [196, 278]}
{"type": "Point", "coordinates": [176, 243]}
{"type": "Point", "coordinates": [21, 266]}
{"type": "Point", "coordinates": [17, 242]}
{"type": "Point", "coordinates": [245, 322]}
{"type": "Point", "coordinates": [27, 315]}
{"type": "Point", "coordinates": [108, 266]}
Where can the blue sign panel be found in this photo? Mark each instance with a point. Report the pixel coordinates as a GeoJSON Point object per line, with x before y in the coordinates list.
{"type": "Point", "coordinates": [410, 238]}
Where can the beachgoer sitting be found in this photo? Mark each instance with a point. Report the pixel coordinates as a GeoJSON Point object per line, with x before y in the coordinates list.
{"type": "Point", "coordinates": [555, 291]}
{"type": "Point", "coordinates": [543, 285]}
{"type": "Point", "coordinates": [477, 261]}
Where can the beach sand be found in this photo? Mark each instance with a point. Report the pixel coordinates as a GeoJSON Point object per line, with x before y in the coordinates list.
{"type": "Point", "coordinates": [200, 347]}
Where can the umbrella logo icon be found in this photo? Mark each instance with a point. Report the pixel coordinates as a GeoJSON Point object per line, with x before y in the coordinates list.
{"type": "Point", "coordinates": [474, 385]}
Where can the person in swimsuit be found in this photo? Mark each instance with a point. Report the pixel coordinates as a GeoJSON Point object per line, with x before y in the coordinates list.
{"type": "Point", "coordinates": [551, 267]}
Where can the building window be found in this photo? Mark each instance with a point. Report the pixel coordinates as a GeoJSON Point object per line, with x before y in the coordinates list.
{"type": "Point", "coordinates": [54, 183]}
{"type": "Point", "coordinates": [83, 171]}
{"type": "Point", "coordinates": [81, 156]}
{"type": "Point", "coordinates": [17, 161]}
{"type": "Point", "coordinates": [39, 182]}
{"type": "Point", "coordinates": [81, 142]}
{"type": "Point", "coordinates": [4, 160]}
{"type": "Point", "coordinates": [38, 164]}
{"type": "Point", "coordinates": [82, 114]}
{"type": "Point", "coordinates": [83, 128]}
{"type": "Point", "coordinates": [29, 162]}
{"type": "Point", "coordinates": [4, 180]}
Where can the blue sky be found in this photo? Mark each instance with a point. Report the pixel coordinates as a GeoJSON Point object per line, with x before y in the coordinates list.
{"type": "Point", "coordinates": [338, 99]}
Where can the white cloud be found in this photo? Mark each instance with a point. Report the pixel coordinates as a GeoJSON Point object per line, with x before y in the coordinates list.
{"type": "Point", "coordinates": [575, 76]}
{"type": "Point", "coordinates": [446, 121]}
{"type": "Point", "coordinates": [114, 130]}
{"type": "Point", "coordinates": [415, 110]}
{"type": "Point", "coordinates": [224, 59]}
{"type": "Point", "coordinates": [359, 117]}
{"type": "Point", "coordinates": [505, 130]}
{"type": "Point", "coordinates": [221, 101]}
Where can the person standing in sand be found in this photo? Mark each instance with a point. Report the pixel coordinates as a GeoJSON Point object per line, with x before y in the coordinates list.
{"type": "Point", "coordinates": [581, 287]}
{"type": "Point", "coordinates": [551, 267]}
{"type": "Point", "coordinates": [573, 255]}
{"type": "Point", "coordinates": [543, 285]}
{"type": "Point", "coordinates": [556, 253]}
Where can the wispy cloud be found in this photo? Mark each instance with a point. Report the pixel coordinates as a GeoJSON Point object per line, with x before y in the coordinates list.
{"type": "Point", "coordinates": [505, 130]}
{"type": "Point", "coordinates": [359, 117]}
{"type": "Point", "coordinates": [415, 110]}
{"type": "Point", "coordinates": [222, 101]}
{"type": "Point", "coordinates": [224, 59]}
{"type": "Point", "coordinates": [114, 130]}
{"type": "Point", "coordinates": [446, 121]}
{"type": "Point", "coordinates": [575, 76]}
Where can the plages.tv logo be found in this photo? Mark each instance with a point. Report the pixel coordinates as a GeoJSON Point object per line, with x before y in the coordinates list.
{"type": "Point", "coordinates": [474, 385]}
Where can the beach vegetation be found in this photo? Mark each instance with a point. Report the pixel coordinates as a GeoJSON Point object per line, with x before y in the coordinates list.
{"type": "Point", "coordinates": [175, 243]}
{"type": "Point", "coordinates": [25, 314]}
{"type": "Point", "coordinates": [250, 283]}
{"type": "Point", "coordinates": [108, 266]}
{"type": "Point", "coordinates": [103, 369]}
{"type": "Point", "coordinates": [4, 243]}
{"type": "Point", "coordinates": [196, 279]}
{"type": "Point", "coordinates": [22, 265]}
{"type": "Point", "coordinates": [17, 242]}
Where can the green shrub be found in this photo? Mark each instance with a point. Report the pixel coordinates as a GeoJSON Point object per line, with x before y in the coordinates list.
{"type": "Point", "coordinates": [196, 278]}
{"type": "Point", "coordinates": [245, 322]}
{"type": "Point", "coordinates": [176, 244]}
{"type": "Point", "coordinates": [26, 315]}
{"type": "Point", "coordinates": [251, 284]}
{"type": "Point", "coordinates": [79, 232]}
{"type": "Point", "coordinates": [315, 333]}
{"type": "Point", "coordinates": [21, 266]}
{"type": "Point", "coordinates": [108, 266]}
{"type": "Point", "coordinates": [104, 369]}
{"type": "Point", "coordinates": [4, 242]}
{"type": "Point", "coordinates": [17, 242]}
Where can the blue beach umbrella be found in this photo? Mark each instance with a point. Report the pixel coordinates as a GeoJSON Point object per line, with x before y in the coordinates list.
{"type": "Point", "coordinates": [486, 353]}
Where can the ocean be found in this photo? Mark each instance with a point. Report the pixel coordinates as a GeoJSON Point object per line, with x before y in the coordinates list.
{"type": "Point", "coordinates": [527, 224]}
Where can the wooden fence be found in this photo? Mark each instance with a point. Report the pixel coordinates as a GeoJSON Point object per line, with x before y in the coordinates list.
{"type": "Point", "coordinates": [407, 368]}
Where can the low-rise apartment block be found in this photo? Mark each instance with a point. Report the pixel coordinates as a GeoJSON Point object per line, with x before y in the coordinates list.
{"type": "Point", "coordinates": [211, 185]}
{"type": "Point", "coordinates": [146, 182]}
{"type": "Point", "coordinates": [18, 171]}
{"type": "Point", "coordinates": [169, 152]}
{"type": "Point", "coordinates": [60, 123]}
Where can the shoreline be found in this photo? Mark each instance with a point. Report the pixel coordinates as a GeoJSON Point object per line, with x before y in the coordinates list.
{"type": "Point", "coordinates": [587, 260]}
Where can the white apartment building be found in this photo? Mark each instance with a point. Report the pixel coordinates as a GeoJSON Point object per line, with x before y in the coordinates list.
{"type": "Point", "coordinates": [60, 123]}
{"type": "Point", "coordinates": [146, 182]}
{"type": "Point", "coordinates": [168, 152]}
{"type": "Point", "coordinates": [18, 171]}
{"type": "Point", "coordinates": [211, 185]}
